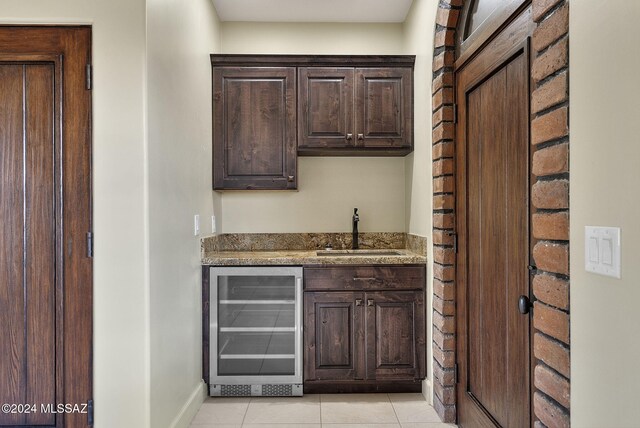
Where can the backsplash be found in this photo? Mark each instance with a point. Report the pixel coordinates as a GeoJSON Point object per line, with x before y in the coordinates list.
{"type": "Point", "coordinates": [311, 241]}
{"type": "Point", "coordinates": [416, 244]}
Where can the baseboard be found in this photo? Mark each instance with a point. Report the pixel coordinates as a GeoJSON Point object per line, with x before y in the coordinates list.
{"type": "Point", "coordinates": [190, 408]}
{"type": "Point", "coordinates": [427, 391]}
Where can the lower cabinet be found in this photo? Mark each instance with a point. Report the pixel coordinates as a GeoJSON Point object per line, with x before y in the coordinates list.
{"type": "Point", "coordinates": [364, 328]}
{"type": "Point", "coordinates": [334, 336]}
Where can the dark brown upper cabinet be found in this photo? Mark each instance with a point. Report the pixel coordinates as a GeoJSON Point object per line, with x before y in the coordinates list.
{"type": "Point", "coordinates": [254, 122]}
{"type": "Point", "coordinates": [325, 108]}
{"type": "Point", "coordinates": [355, 111]}
{"type": "Point", "coordinates": [268, 109]}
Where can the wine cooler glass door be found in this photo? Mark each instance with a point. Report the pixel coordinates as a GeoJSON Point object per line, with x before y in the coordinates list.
{"type": "Point", "coordinates": [258, 332]}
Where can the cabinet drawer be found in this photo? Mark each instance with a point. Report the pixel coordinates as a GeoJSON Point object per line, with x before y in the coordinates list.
{"type": "Point", "coordinates": [364, 278]}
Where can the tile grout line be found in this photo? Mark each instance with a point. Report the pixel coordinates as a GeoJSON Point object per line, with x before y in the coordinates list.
{"type": "Point", "coordinates": [394, 411]}
{"type": "Point", "coordinates": [246, 411]}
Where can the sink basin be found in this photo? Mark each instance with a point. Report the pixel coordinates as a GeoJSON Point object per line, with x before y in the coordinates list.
{"type": "Point", "coordinates": [352, 253]}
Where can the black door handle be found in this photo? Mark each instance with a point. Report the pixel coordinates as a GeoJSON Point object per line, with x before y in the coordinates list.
{"type": "Point", "coordinates": [524, 305]}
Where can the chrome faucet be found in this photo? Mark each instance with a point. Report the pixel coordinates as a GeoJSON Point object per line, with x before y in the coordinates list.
{"type": "Point", "coordinates": [356, 219]}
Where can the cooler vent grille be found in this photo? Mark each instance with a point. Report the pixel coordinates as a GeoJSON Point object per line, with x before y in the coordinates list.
{"type": "Point", "coordinates": [235, 390]}
{"type": "Point", "coordinates": [276, 390]}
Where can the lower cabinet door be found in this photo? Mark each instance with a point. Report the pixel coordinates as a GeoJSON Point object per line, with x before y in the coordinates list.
{"type": "Point", "coordinates": [334, 336]}
{"type": "Point", "coordinates": [395, 335]}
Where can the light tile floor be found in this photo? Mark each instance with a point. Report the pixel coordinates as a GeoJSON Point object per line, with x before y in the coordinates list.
{"type": "Point", "coordinates": [319, 410]}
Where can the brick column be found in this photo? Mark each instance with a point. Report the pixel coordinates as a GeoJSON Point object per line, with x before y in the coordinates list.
{"type": "Point", "coordinates": [550, 221]}
{"type": "Point", "coordinates": [444, 257]}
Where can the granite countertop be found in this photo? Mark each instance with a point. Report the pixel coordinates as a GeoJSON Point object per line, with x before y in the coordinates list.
{"type": "Point", "coordinates": [301, 249]}
{"type": "Point", "coordinates": [308, 257]}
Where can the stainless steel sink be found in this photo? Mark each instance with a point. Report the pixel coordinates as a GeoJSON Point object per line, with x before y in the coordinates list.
{"type": "Point", "coordinates": [352, 253]}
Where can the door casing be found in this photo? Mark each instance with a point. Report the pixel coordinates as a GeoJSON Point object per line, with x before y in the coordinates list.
{"type": "Point", "coordinates": [68, 48]}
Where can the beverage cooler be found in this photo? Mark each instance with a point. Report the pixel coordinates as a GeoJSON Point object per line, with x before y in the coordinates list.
{"type": "Point", "coordinates": [255, 331]}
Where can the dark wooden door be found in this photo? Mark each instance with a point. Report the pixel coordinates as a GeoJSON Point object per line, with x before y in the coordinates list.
{"type": "Point", "coordinates": [45, 207]}
{"type": "Point", "coordinates": [254, 128]}
{"type": "Point", "coordinates": [334, 336]}
{"type": "Point", "coordinates": [384, 107]}
{"type": "Point", "coordinates": [395, 335]}
{"type": "Point", "coordinates": [325, 107]}
{"type": "Point", "coordinates": [493, 156]}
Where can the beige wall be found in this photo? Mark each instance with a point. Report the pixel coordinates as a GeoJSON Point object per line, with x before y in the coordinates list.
{"type": "Point", "coordinates": [418, 41]}
{"type": "Point", "coordinates": [180, 37]}
{"type": "Point", "coordinates": [605, 178]}
{"type": "Point", "coordinates": [121, 364]}
{"type": "Point", "coordinates": [329, 188]}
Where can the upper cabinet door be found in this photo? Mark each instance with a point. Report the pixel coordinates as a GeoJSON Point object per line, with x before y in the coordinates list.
{"type": "Point", "coordinates": [325, 108]}
{"type": "Point", "coordinates": [384, 108]}
{"type": "Point", "coordinates": [254, 122]}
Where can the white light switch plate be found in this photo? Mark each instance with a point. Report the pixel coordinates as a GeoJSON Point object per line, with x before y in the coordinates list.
{"type": "Point", "coordinates": [196, 225]}
{"type": "Point", "coordinates": [602, 250]}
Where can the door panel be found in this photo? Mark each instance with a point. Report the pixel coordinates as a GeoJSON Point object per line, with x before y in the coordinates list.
{"type": "Point", "coordinates": [325, 109]}
{"type": "Point", "coordinates": [40, 234]}
{"type": "Point", "coordinates": [27, 243]}
{"type": "Point", "coordinates": [494, 340]}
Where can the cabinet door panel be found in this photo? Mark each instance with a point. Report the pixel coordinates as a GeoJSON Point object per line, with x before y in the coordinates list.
{"type": "Point", "coordinates": [333, 336]}
{"type": "Point", "coordinates": [325, 109]}
{"type": "Point", "coordinates": [395, 335]}
{"type": "Point", "coordinates": [384, 107]}
{"type": "Point", "coordinates": [254, 128]}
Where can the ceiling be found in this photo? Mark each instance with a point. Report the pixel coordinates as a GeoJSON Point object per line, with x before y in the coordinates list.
{"type": "Point", "coordinates": [313, 10]}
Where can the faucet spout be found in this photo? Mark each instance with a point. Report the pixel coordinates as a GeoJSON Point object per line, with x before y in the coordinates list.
{"type": "Point", "coordinates": [356, 219]}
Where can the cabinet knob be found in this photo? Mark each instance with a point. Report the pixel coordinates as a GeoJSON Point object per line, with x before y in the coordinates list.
{"type": "Point", "coordinates": [290, 179]}
{"type": "Point", "coordinates": [349, 136]}
{"type": "Point", "coordinates": [360, 136]}
{"type": "Point", "coordinates": [370, 302]}
{"type": "Point", "coordinates": [358, 302]}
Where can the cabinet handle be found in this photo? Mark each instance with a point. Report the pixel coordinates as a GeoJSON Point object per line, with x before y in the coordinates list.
{"type": "Point", "coordinates": [370, 302]}
{"type": "Point", "coordinates": [290, 179]}
{"type": "Point", "coordinates": [360, 136]}
{"type": "Point", "coordinates": [349, 136]}
{"type": "Point", "coordinates": [357, 278]}
{"type": "Point", "coordinates": [358, 302]}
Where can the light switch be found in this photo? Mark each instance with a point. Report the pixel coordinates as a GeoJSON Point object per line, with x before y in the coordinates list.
{"type": "Point", "coordinates": [196, 225]}
{"type": "Point", "coordinates": [593, 255]}
{"type": "Point", "coordinates": [607, 252]}
{"type": "Point", "coordinates": [602, 250]}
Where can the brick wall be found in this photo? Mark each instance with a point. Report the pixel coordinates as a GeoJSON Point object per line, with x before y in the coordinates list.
{"type": "Point", "coordinates": [444, 345]}
{"type": "Point", "coordinates": [550, 222]}
{"type": "Point", "coordinates": [550, 219]}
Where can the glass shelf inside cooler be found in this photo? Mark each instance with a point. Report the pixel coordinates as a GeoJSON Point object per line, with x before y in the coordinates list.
{"type": "Point", "coordinates": [258, 288]}
{"type": "Point", "coordinates": [240, 343]}
{"type": "Point", "coordinates": [256, 353]}
{"type": "Point", "coordinates": [256, 316]}
{"type": "Point", "coordinates": [252, 367]}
